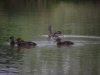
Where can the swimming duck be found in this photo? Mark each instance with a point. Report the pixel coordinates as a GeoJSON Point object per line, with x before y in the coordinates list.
{"type": "Point", "coordinates": [12, 41]}
{"type": "Point", "coordinates": [66, 43]}
{"type": "Point", "coordinates": [57, 34]}
{"type": "Point", "coordinates": [20, 42]}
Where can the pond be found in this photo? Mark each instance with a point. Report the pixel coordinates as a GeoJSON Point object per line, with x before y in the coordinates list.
{"type": "Point", "coordinates": [78, 21]}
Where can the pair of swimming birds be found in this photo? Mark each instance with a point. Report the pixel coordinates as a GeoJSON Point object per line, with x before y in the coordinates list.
{"type": "Point", "coordinates": [58, 35]}
{"type": "Point", "coordinates": [20, 42]}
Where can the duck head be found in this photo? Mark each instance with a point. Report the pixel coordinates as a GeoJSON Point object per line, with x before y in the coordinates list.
{"type": "Point", "coordinates": [57, 40]}
{"type": "Point", "coordinates": [12, 41]}
{"type": "Point", "coordinates": [11, 38]}
{"type": "Point", "coordinates": [18, 39]}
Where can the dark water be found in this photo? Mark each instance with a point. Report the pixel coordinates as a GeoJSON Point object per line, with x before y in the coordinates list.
{"type": "Point", "coordinates": [79, 22]}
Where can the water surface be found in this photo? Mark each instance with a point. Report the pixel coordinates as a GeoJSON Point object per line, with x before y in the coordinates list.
{"type": "Point", "coordinates": [79, 22]}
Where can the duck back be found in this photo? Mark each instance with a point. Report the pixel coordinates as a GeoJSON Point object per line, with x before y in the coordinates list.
{"type": "Point", "coordinates": [68, 42]}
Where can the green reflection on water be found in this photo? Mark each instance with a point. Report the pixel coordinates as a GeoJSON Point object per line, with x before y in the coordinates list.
{"type": "Point", "coordinates": [76, 19]}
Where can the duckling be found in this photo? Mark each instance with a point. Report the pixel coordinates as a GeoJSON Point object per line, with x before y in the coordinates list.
{"type": "Point", "coordinates": [54, 34]}
{"type": "Point", "coordinates": [12, 41]}
{"type": "Point", "coordinates": [66, 43]}
{"type": "Point", "coordinates": [20, 42]}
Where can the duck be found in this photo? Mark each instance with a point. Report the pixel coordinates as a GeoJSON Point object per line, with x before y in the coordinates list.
{"type": "Point", "coordinates": [57, 34]}
{"type": "Point", "coordinates": [12, 41]}
{"type": "Point", "coordinates": [21, 42]}
{"type": "Point", "coordinates": [63, 43]}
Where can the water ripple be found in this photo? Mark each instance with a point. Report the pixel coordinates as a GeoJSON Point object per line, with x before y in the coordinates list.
{"type": "Point", "coordinates": [76, 36]}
